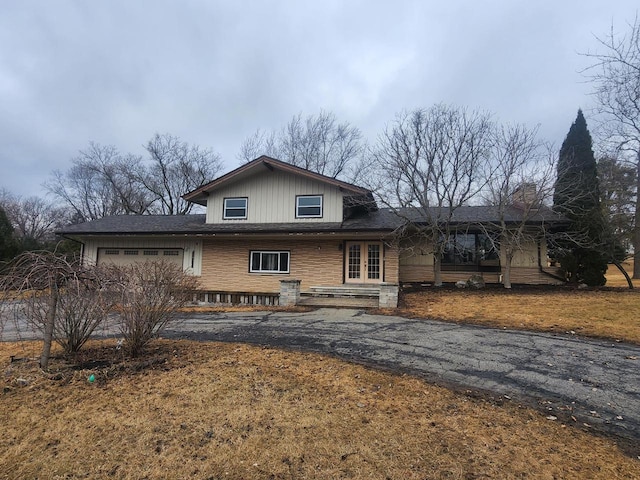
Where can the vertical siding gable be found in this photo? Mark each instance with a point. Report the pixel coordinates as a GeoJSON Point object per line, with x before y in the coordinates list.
{"type": "Point", "coordinates": [272, 198]}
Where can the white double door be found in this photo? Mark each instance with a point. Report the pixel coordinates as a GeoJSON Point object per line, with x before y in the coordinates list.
{"type": "Point", "coordinates": [363, 262]}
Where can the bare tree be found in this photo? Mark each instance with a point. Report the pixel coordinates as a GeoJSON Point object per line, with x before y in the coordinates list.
{"type": "Point", "coordinates": [317, 142]}
{"type": "Point", "coordinates": [100, 183]}
{"type": "Point", "coordinates": [615, 75]}
{"type": "Point", "coordinates": [33, 218]}
{"type": "Point", "coordinates": [617, 198]}
{"type": "Point", "coordinates": [434, 161]}
{"type": "Point", "coordinates": [40, 276]}
{"type": "Point", "coordinates": [149, 295]}
{"type": "Point", "coordinates": [176, 168]}
{"type": "Point", "coordinates": [260, 143]}
{"type": "Point", "coordinates": [519, 182]}
{"type": "Point", "coordinates": [104, 182]}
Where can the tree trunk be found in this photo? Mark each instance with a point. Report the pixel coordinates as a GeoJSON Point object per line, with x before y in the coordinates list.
{"type": "Point", "coordinates": [506, 275]}
{"type": "Point", "coordinates": [437, 270]}
{"type": "Point", "coordinates": [624, 272]}
{"type": "Point", "coordinates": [48, 329]}
{"type": "Point", "coordinates": [636, 226]}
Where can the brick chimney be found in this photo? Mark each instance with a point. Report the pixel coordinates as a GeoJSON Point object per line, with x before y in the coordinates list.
{"type": "Point", "coordinates": [525, 195]}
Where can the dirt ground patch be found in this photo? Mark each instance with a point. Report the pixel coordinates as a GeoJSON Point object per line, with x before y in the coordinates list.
{"type": "Point", "coordinates": [210, 410]}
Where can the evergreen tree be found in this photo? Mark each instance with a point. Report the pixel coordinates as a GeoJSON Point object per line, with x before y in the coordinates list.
{"type": "Point", "coordinates": [577, 196]}
{"type": "Point", "coordinates": [8, 246]}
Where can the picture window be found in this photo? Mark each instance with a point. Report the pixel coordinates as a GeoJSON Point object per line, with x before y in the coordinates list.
{"type": "Point", "coordinates": [268, 262]}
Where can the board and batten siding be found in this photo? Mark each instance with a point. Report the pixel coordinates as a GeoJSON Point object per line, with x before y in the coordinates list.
{"type": "Point", "coordinates": [272, 199]}
{"type": "Point", "coordinates": [192, 249]}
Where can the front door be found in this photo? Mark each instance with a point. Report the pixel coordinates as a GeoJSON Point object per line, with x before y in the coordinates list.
{"type": "Point", "coordinates": [363, 262]}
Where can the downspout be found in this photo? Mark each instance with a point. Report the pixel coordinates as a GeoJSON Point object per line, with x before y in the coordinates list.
{"type": "Point", "coordinates": [542, 270]}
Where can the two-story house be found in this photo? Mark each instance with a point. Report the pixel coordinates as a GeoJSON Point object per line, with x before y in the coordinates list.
{"type": "Point", "coordinates": [268, 221]}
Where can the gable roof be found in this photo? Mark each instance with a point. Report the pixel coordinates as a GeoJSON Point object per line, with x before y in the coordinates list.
{"type": "Point", "coordinates": [200, 194]}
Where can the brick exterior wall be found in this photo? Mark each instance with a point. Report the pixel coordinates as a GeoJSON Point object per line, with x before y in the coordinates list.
{"type": "Point", "coordinates": [391, 264]}
{"type": "Point", "coordinates": [314, 261]}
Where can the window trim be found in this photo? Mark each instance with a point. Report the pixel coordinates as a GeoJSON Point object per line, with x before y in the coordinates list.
{"type": "Point", "coordinates": [271, 272]}
{"type": "Point", "coordinates": [320, 196]}
{"type": "Point", "coordinates": [224, 208]}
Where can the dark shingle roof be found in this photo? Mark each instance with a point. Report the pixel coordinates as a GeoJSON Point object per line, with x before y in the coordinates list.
{"type": "Point", "coordinates": [483, 214]}
{"type": "Point", "coordinates": [381, 220]}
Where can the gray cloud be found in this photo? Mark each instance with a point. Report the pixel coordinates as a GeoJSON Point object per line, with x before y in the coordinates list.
{"type": "Point", "coordinates": [213, 72]}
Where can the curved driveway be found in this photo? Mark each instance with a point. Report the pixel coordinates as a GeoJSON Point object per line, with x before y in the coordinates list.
{"type": "Point", "coordinates": [597, 382]}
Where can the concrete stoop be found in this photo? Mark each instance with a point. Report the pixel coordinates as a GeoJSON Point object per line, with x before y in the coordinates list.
{"type": "Point", "coordinates": [341, 296]}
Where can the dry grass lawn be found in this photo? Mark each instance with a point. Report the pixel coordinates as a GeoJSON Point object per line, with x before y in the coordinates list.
{"type": "Point", "coordinates": [213, 411]}
{"type": "Point", "coordinates": [608, 313]}
{"type": "Point", "coordinates": [615, 278]}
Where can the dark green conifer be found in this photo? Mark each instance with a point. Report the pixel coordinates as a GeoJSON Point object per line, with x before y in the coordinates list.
{"type": "Point", "coordinates": [8, 246]}
{"type": "Point", "coordinates": [577, 196]}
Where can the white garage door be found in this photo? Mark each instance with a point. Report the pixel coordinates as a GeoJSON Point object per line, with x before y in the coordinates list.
{"type": "Point", "coordinates": [125, 256]}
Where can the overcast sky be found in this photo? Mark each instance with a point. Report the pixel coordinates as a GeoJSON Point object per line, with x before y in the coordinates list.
{"type": "Point", "coordinates": [212, 72]}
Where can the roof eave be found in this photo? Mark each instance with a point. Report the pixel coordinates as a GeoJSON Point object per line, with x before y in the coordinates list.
{"type": "Point", "coordinates": [199, 195]}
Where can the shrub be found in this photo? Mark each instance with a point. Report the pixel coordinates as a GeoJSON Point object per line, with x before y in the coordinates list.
{"type": "Point", "coordinates": [148, 297]}
{"type": "Point", "coordinates": [81, 307]}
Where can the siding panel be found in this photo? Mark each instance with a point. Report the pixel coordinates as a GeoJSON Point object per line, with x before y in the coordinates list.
{"type": "Point", "coordinates": [272, 197]}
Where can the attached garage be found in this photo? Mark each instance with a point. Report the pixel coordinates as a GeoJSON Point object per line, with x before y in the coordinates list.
{"type": "Point", "coordinates": [126, 256]}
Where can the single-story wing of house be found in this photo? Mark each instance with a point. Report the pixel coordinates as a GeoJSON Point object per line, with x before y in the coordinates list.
{"type": "Point", "coordinates": [276, 233]}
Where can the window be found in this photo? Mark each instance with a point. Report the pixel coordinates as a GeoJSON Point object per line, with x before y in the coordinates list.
{"type": "Point", "coordinates": [470, 252]}
{"type": "Point", "coordinates": [112, 252]}
{"type": "Point", "coordinates": [309, 206]}
{"type": "Point", "coordinates": [460, 249]}
{"type": "Point", "coordinates": [235, 209]}
{"type": "Point", "coordinates": [269, 262]}
{"type": "Point", "coordinates": [171, 253]}
{"type": "Point", "coordinates": [131, 252]}
{"type": "Point", "coordinates": [150, 252]}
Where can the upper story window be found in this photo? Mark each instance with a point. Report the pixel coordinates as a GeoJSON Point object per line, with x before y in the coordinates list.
{"type": "Point", "coordinates": [235, 209]}
{"type": "Point", "coordinates": [309, 206]}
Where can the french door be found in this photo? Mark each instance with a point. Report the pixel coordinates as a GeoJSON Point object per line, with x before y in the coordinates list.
{"type": "Point", "coordinates": [363, 262]}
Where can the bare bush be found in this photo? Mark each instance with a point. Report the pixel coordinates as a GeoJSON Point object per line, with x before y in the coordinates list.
{"type": "Point", "coordinates": [148, 295]}
{"type": "Point", "coordinates": [82, 307]}
{"type": "Point", "coordinates": [41, 277]}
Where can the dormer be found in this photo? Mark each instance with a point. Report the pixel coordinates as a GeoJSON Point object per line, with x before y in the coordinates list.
{"type": "Point", "coordinates": [267, 190]}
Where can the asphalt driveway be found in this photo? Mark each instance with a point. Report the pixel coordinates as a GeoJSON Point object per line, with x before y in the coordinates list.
{"type": "Point", "coordinates": [596, 382]}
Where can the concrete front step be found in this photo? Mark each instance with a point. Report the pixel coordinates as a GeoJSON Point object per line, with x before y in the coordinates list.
{"type": "Point", "coordinates": [346, 291]}
{"type": "Point", "coordinates": [358, 302]}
